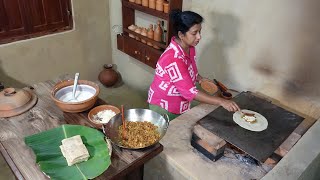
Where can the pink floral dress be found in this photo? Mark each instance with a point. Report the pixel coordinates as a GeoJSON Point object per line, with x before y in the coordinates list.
{"type": "Point", "coordinates": [174, 84]}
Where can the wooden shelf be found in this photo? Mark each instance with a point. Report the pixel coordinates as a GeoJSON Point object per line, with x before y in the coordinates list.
{"type": "Point", "coordinates": [147, 10]}
{"type": "Point", "coordinates": [162, 45]}
{"type": "Point", "coordinates": [135, 48]}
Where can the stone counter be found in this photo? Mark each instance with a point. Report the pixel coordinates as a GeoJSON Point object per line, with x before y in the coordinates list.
{"type": "Point", "coordinates": [179, 160]}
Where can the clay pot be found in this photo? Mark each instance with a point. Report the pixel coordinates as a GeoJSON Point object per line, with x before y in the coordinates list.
{"type": "Point", "coordinates": [209, 87]}
{"type": "Point", "coordinates": [62, 88]}
{"type": "Point", "coordinates": [145, 3]}
{"type": "Point", "coordinates": [144, 33]}
{"type": "Point", "coordinates": [108, 76]}
{"type": "Point", "coordinates": [138, 1]}
{"type": "Point", "coordinates": [166, 7]}
{"type": "Point", "coordinates": [159, 5]}
{"type": "Point", "coordinates": [132, 28]}
{"type": "Point", "coordinates": [225, 95]}
{"type": "Point", "coordinates": [16, 101]}
{"type": "Point", "coordinates": [97, 109]}
{"type": "Point", "coordinates": [138, 31]}
{"type": "Point", "coordinates": [152, 4]}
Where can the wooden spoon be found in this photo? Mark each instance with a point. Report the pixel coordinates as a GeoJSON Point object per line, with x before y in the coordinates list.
{"type": "Point", "coordinates": [123, 124]}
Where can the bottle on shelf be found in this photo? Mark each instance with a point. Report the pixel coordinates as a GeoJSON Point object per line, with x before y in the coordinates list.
{"type": "Point", "coordinates": [150, 34]}
{"type": "Point", "coordinates": [157, 36]}
{"type": "Point", "coordinates": [164, 32]}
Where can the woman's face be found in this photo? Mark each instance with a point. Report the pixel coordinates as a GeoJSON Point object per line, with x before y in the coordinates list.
{"type": "Point", "coordinates": [193, 36]}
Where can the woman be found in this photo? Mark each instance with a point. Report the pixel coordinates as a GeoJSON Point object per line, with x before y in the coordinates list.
{"type": "Point", "coordinates": [174, 84]}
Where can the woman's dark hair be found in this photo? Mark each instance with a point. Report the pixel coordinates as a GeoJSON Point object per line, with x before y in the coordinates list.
{"type": "Point", "coordinates": [184, 20]}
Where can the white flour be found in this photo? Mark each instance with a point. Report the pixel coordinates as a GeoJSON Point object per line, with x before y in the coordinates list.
{"type": "Point", "coordinates": [104, 116]}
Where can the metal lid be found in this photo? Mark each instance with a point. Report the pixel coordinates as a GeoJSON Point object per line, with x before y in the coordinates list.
{"type": "Point", "coordinates": [16, 101]}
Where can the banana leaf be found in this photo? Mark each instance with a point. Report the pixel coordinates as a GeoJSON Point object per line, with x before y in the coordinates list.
{"type": "Point", "coordinates": [46, 144]}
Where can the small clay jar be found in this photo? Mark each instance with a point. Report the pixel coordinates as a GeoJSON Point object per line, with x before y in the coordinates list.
{"type": "Point", "coordinates": [159, 5]}
{"type": "Point", "coordinates": [138, 30]}
{"type": "Point", "coordinates": [145, 3]}
{"type": "Point", "coordinates": [166, 7]}
{"type": "Point", "coordinates": [138, 1]}
{"type": "Point", "coordinates": [144, 33]}
{"type": "Point", "coordinates": [150, 34]}
{"type": "Point", "coordinates": [152, 4]}
{"type": "Point", "coordinates": [108, 76]}
{"type": "Point", "coordinates": [132, 28]}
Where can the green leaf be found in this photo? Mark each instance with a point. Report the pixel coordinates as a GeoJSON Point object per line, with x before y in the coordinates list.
{"type": "Point", "coordinates": [46, 144]}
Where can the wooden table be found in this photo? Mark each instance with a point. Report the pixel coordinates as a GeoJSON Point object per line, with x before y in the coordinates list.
{"type": "Point", "coordinates": [125, 164]}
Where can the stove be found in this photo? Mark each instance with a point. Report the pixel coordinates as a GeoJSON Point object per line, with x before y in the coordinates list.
{"type": "Point", "coordinates": [259, 145]}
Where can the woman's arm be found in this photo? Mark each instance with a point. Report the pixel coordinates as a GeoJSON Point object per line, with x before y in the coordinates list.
{"type": "Point", "coordinates": [227, 104]}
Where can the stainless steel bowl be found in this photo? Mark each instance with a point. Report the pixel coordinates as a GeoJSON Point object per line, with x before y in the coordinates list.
{"type": "Point", "coordinates": [111, 129]}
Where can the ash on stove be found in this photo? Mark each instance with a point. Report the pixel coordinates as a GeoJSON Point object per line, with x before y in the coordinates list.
{"type": "Point", "coordinates": [247, 159]}
{"type": "Point", "coordinates": [242, 157]}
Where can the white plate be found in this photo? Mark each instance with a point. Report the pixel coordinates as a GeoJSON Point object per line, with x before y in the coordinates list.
{"type": "Point", "coordinates": [260, 124]}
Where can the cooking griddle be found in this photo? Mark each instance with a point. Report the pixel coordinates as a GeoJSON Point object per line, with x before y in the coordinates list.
{"type": "Point", "coordinates": [259, 145]}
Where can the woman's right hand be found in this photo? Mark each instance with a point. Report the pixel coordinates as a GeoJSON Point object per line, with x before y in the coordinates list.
{"type": "Point", "coordinates": [230, 106]}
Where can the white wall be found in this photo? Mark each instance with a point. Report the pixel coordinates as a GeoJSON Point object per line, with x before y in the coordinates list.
{"type": "Point", "coordinates": [84, 49]}
{"type": "Point", "coordinates": [268, 46]}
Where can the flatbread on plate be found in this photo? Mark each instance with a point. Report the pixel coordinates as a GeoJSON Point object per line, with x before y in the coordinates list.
{"type": "Point", "coordinates": [260, 124]}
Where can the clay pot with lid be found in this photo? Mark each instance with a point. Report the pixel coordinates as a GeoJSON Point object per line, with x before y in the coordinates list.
{"type": "Point", "coordinates": [108, 76]}
{"type": "Point", "coordinates": [16, 101]}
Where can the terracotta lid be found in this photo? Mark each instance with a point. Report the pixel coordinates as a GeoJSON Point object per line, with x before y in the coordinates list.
{"type": "Point", "coordinates": [16, 101]}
